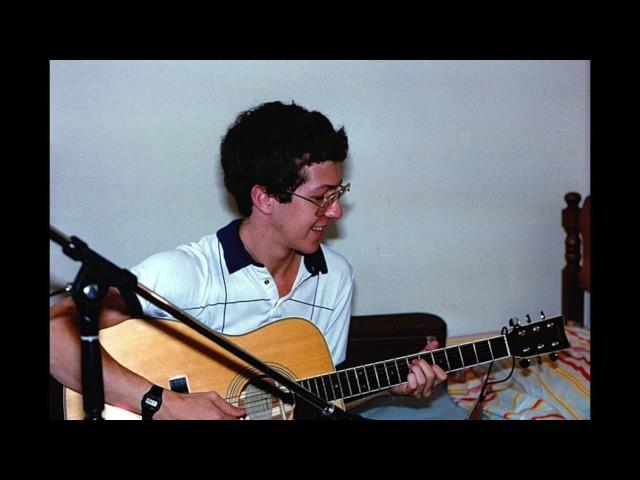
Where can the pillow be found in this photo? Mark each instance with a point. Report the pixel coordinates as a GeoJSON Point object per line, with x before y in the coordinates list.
{"type": "Point", "coordinates": [546, 390]}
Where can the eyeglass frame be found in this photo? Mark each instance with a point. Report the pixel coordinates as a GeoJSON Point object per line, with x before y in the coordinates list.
{"type": "Point", "coordinates": [328, 200]}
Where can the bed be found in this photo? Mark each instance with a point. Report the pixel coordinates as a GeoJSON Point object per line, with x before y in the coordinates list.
{"type": "Point", "coordinates": [545, 390]}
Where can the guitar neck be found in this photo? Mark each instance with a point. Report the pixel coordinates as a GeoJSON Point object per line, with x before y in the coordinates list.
{"type": "Point", "coordinates": [356, 381]}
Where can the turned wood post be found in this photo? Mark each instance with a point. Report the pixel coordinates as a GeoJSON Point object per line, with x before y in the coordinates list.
{"type": "Point", "coordinates": [572, 293]}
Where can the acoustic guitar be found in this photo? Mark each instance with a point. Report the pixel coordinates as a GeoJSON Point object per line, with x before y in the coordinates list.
{"type": "Point", "coordinates": [172, 355]}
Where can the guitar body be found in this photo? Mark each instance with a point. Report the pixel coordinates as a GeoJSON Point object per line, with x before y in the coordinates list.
{"type": "Point", "coordinates": [161, 350]}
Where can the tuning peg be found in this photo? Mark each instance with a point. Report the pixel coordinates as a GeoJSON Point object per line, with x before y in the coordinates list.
{"type": "Point", "coordinates": [553, 356]}
{"type": "Point", "coordinates": [528, 317]}
{"type": "Point", "coordinates": [539, 360]}
{"type": "Point", "coordinates": [542, 315]}
{"type": "Point", "coordinates": [513, 321]}
{"type": "Point", "coordinates": [525, 362]}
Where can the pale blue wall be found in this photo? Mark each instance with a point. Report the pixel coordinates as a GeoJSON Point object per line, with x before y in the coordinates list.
{"type": "Point", "coordinates": [458, 168]}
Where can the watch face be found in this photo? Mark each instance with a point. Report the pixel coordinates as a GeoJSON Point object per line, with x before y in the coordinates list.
{"type": "Point", "coordinates": [151, 402]}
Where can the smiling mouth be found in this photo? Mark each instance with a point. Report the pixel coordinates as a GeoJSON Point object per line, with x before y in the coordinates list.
{"type": "Point", "coordinates": [318, 229]}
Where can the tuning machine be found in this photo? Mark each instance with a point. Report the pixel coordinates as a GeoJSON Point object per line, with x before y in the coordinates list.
{"type": "Point", "coordinates": [525, 362]}
{"type": "Point", "coordinates": [553, 356]}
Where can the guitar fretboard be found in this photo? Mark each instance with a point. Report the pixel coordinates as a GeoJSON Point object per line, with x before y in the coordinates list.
{"type": "Point", "coordinates": [352, 382]}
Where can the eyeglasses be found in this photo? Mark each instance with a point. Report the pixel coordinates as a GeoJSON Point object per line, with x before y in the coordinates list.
{"type": "Point", "coordinates": [328, 200]}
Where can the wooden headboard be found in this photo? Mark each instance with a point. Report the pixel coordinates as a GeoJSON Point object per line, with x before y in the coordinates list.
{"type": "Point", "coordinates": [576, 274]}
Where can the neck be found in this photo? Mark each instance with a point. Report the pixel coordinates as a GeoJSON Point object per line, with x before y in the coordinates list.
{"type": "Point", "coordinates": [356, 381]}
{"type": "Point", "coordinates": [264, 249]}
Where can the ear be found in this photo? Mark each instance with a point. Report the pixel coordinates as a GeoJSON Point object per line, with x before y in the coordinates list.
{"type": "Point", "coordinates": [261, 199]}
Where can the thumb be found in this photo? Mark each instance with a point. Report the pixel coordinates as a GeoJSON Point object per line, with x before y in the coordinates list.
{"type": "Point", "coordinates": [229, 409]}
{"type": "Point", "coordinates": [432, 345]}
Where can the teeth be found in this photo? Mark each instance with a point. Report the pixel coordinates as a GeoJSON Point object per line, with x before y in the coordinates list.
{"type": "Point", "coordinates": [317, 229]}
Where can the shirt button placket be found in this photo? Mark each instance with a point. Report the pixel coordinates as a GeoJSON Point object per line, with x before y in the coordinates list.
{"type": "Point", "coordinates": [268, 287]}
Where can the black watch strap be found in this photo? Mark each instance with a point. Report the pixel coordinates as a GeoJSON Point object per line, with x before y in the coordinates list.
{"type": "Point", "coordinates": [151, 402]}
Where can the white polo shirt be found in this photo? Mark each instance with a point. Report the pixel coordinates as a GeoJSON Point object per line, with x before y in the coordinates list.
{"type": "Point", "coordinates": [216, 281]}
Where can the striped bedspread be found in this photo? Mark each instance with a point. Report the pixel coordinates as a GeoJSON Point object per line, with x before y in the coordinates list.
{"type": "Point", "coordinates": [545, 390]}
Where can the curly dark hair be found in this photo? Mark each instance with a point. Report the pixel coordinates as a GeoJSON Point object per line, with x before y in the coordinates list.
{"type": "Point", "coordinates": [270, 144]}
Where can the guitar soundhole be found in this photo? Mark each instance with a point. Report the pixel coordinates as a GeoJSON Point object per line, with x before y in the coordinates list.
{"type": "Point", "coordinates": [264, 399]}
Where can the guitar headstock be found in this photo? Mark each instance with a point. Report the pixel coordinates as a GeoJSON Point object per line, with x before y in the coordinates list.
{"type": "Point", "coordinates": [537, 338]}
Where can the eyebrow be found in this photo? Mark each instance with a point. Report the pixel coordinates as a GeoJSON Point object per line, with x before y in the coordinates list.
{"type": "Point", "coordinates": [326, 185]}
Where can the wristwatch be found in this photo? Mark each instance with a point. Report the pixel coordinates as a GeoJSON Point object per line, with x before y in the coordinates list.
{"type": "Point", "coordinates": [151, 402]}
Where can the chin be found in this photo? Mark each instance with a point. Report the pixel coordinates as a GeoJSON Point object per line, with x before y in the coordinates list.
{"type": "Point", "coordinates": [308, 248]}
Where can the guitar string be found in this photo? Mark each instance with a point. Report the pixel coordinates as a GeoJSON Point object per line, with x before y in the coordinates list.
{"type": "Point", "coordinates": [258, 398]}
{"type": "Point", "coordinates": [252, 400]}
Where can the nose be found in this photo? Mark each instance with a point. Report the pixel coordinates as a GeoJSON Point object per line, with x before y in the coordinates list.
{"type": "Point", "coordinates": [334, 210]}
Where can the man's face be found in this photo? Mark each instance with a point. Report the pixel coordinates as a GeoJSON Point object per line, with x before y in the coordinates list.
{"type": "Point", "coordinates": [301, 227]}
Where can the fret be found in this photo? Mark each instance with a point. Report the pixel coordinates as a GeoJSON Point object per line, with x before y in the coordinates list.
{"type": "Point", "coordinates": [326, 381]}
{"type": "Point", "coordinates": [335, 383]}
{"type": "Point", "coordinates": [320, 386]}
{"type": "Point", "coordinates": [345, 388]}
{"type": "Point", "coordinates": [469, 357]}
{"type": "Point", "coordinates": [304, 383]}
{"type": "Point", "coordinates": [353, 381]}
{"type": "Point", "coordinates": [311, 386]}
{"type": "Point", "coordinates": [362, 379]}
{"type": "Point", "coordinates": [440, 359]}
{"type": "Point", "coordinates": [483, 351]}
{"type": "Point", "coordinates": [404, 372]}
{"type": "Point", "coordinates": [428, 356]}
{"type": "Point", "coordinates": [499, 347]}
{"type": "Point", "coordinates": [411, 358]}
{"type": "Point", "coordinates": [372, 378]}
{"type": "Point", "coordinates": [383, 378]}
{"type": "Point", "coordinates": [492, 355]}
{"type": "Point", "coordinates": [454, 358]}
{"type": "Point", "coordinates": [404, 367]}
{"type": "Point", "coordinates": [398, 370]}
{"type": "Point", "coordinates": [308, 384]}
{"type": "Point", "coordinates": [392, 371]}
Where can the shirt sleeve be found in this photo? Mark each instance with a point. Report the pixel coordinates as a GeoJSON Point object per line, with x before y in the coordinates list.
{"type": "Point", "coordinates": [173, 275]}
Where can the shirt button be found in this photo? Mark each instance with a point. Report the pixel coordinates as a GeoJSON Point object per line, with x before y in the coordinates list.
{"type": "Point", "coordinates": [266, 282]}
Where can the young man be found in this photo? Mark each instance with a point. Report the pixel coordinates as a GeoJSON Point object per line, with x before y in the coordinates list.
{"type": "Point", "coordinates": [282, 164]}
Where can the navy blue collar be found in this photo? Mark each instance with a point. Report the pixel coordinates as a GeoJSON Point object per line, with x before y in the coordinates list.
{"type": "Point", "coordinates": [236, 256]}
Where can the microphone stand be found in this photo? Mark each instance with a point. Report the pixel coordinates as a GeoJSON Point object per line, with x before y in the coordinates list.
{"type": "Point", "coordinates": [95, 277]}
